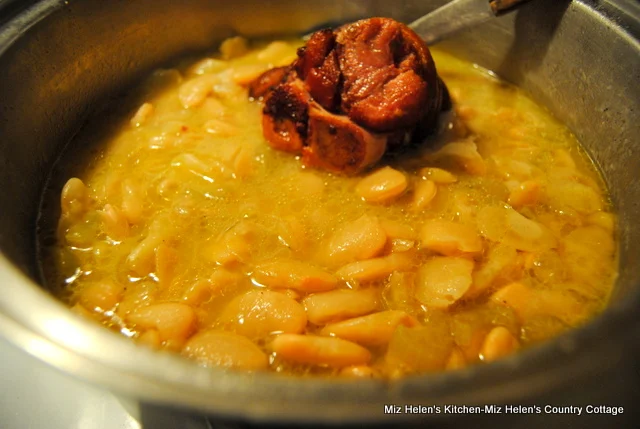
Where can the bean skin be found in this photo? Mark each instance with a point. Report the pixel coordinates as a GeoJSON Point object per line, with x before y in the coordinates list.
{"type": "Point", "coordinates": [360, 239]}
{"type": "Point", "coordinates": [340, 304]}
{"type": "Point", "coordinates": [383, 185]}
{"type": "Point", "coordinates": [292, 274]}
{"type": "Point", "coordinates": [443, 280]}
{"type": "Point", "coordinates": [423, 193]}
{"type": "Point", "coordinates": [498, 343]}
{"type": "Point", "coordinates": [225, 349]}
{"type": "Point", "coordinates": [377, 268]}
{"type": "Point", "coordinates": [438, 175]}
{"type": "Point", "coordinates": [313, 350]}
{"type": "Point", "coordinates": [450, 238]}
{"type": "Point", "coordinates": [102, 296]}
{"type": "Point", "coordinates": [172, 320]}
{"type": "Point", "coordinates": [258, 313]}
{"type": "Point", "coordinates": [373, 330]}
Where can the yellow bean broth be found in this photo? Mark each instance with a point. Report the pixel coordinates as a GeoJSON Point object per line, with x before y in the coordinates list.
{"type": "Point", "coordinates": [182, 201]}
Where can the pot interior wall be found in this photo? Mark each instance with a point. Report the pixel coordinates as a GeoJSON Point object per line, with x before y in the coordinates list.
{"type": "Point", "coordinates": [60, 61]}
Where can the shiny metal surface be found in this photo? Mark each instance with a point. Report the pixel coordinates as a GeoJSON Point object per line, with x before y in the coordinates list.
{"type": "Point", "coordinates": [458, 15]}
{"type": "Point", "coordinates": [56, 401]}
{"type": "Point", "coordinates": [451, 18]}
{"type": "Point", "coordinates": [59, 60]}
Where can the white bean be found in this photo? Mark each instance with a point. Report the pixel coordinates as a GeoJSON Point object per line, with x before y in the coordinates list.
{"type": "Point", "coordinates": [437, 175]}
{"type": "Point", "coordinates": [456, 360]}
{"type": "Point", "coordinates": [373, 330]}
{"type": "Point", "coordinates": [142, 114]}
{"type": "Point", "coordinates": [313, 350]}
{"type": "Point", "coordinates": [225, 349]}
{"type": "Point", "coordinates": [101, 296]}
{"type": "Point", "coordinates": [466, 154]}
{"type": "Point", "coordinates": [397, 230]}
{"type": "Point", "coordinates": [220, 128]}
{"type": "Point", "coordinates": [197, 293]}
{"type": "Point", "coordinates": [207, 65]}
{"type": "Point", "coordinates": [505, 225]}
{"type": "Point", "coordinates": [528, 302]}
{"type": "Point", "coordinates": [359, 371]}
{"type": "Point", "coordinates": [234, 246]}
{"type": "Point", "coordinates": [234, 47]}
{"type": "Point", "coordinates": [377, 268]}
{"type": "Point", "coordinates": [292, 274]}
{"type": "Point", "coordinates": [74, 199]}
{"type": "Point", "coordinates": [525, 194]}
{"type": "Point", "coordinates": [423, 193]}
{"type": "Point", "coordinates": [245, 74]}
{"type": "Point", "coordinates": [115, 222]}
{"type": "Point", "coordinates": [604, 220]}
{"type": "Point", "coordinates": [150, 338]}
{"type": "Point", "coordinates": [166, 261]}
{"type": "Point", "coordinates": [340, 304]}
{"type": "Point", "coordinates": [498, 343]}
{"type": "Point", "coordinates": [277, 53]}
{"type": "Point", "coordinates": [382, 185]}
{"type": "Point", "coordinates": [132, 201]}
{"type": "Point", "coordinates": [501, 261]}
{"type": "Point", "coordinates": [360, 239]}
{"type": "Point", "coordinates": [441, 281]}
{"type": "Point", "coordinates": [141, 260]}
{"type": "Point", "coordinates": [258, 313]}
{"type": "Point", "coordinates": [577, 196]}
{"type": "Point", "coordinates": [193, 92]}
{"type": "Point", "coordinates": [450, 238]}
{"type": "Point", "coordinates": [172, 320]}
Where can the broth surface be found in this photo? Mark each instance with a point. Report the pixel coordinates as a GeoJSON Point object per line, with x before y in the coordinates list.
{"type": "Point", "coordinates": [183, 230]}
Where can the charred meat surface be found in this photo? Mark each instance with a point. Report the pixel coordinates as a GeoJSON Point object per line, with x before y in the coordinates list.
{"type": "Point", "coordinates": [285, 115]}
{"type": "Point", "coordinates": [352, 94]}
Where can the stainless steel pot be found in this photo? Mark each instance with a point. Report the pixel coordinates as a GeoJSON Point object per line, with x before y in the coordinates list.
{"type": "Point", "coordinates": [59, 59]}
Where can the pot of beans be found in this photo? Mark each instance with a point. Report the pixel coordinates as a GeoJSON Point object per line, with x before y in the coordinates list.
{"type": "Point", "coordinates": [303, 214]}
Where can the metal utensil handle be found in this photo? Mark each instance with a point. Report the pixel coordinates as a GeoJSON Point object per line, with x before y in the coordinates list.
{"type": "Point", "coordinates": [500, 7]}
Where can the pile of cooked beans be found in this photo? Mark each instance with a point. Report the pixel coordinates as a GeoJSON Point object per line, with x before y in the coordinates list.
{"type": "Point", "coordinates": [181, 229]}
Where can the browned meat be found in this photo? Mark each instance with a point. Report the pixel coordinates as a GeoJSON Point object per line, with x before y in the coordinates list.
{"type": "Point", "coordinates": [351, 94]}
{"type": "Point", "coordinates": [389, 75]}
{"type": "Point", "coordinates": [285, 115]}
{"type": "Point", "coordinates": [319, 67]}
{"type": "Point", "coordinates": [267, 81]}
{"type": "Point", "coordinates": [335, 143]}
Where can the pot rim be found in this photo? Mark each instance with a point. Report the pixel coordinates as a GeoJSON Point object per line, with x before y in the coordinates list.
{"type": "Point", "coordinates": [87, 350]}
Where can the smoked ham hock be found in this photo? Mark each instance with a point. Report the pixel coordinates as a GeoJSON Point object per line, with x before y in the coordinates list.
{"type": "Point", "coordinates": [351, 95]}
